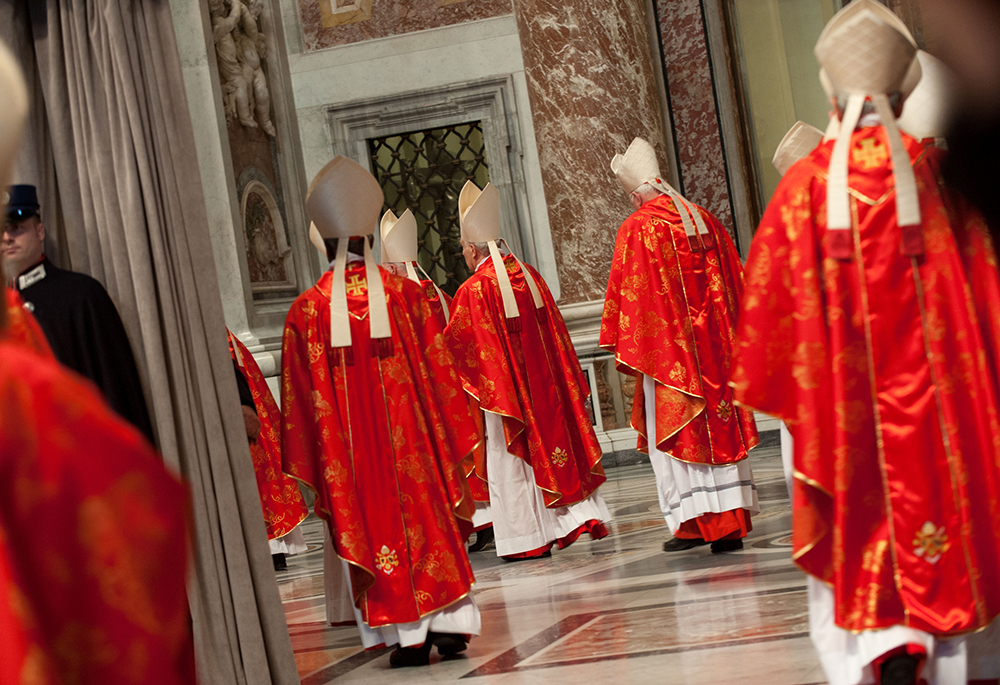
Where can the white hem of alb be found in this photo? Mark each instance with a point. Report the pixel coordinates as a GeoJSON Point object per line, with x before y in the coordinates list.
{"type": "Point", "coordinates": [686, 490]}
{"type": "Point", "coordinates": [290, 544]}
{"type": "Point", "coordinates": [483, 516]}
{"type": "Point", "coordinates": [461, 618]}
{"type": "Point", "coordinates": [521, 521]}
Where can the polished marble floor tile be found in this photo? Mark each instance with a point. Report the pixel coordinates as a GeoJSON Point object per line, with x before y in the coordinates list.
{"type": "Point", "coordinates": [617, 609]}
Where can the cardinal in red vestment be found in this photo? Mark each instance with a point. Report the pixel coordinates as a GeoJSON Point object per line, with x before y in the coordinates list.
{"type": "Point", "coordinates": [670, 318]}
{"type": "Point", "coordinates": [543, 461]}
{"type": "Point", "coordinates": [871, 326]}
{"type": "Point", "coordinates": [399, 255]}
{"type": "Point", "coordinates": [375, 421]}
{"type": "Point", "coordinates": [280, 498]}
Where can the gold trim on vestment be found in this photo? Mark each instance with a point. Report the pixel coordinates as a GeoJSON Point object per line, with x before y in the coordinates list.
{"type": "Point", "coordinates": [966, 522]}
{"type": "Point", "coordinates": [879, 441]}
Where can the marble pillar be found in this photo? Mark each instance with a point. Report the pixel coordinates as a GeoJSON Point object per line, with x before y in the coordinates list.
{"type": "Point", "coordinates": [592, 90]}
{"type": "Point", "coordinates": [693, 108]}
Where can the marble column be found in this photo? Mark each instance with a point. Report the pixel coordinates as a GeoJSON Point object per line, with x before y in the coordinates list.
{"type": "Point", "coordinates": [592, 90]}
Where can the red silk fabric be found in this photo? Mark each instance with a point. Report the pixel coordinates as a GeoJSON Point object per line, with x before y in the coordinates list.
{"type": "Point", "coordinates": [280, 498]}
{"type": "Point", "coordinates": [475, 468]}
{"type": "Point", "coordinates": [670, 313]}
{"type": "Point", "coordinates": [532, 378]}
{"type": "Point", "coordinates": [884, 367]}
{"type": "Point", "coordinates": [382, 442]}
{"type": "Point", "coordinates": [22, 327]}
{"type": "Point", "coordinates": [93, 538]}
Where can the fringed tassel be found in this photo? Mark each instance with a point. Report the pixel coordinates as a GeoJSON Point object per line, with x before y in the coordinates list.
{"type": "Point", "coordinates": [343, 355]}
{"type": "Point", "coordinates": [382, 348]}
{"type": "Point", "coordinates": [708, 240]}
{"type": "Point", "coordinates": [913, 241]}
{"type": "Point", "coordinates": [514, 324]}
{"type": "Point", "coordinates": [693, 243]}
{"type": "Point", "coordinates": [838, 243]}
{"type": "Point", "coordinates": [542, 314]}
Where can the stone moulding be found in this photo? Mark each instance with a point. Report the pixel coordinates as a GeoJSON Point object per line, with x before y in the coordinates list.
{"type": "Point", "coordinates": [490, 101]}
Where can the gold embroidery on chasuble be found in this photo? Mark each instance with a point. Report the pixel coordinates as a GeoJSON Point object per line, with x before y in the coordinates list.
{"type": "Point", "coordinates": [931, 542]}
{"type": "Point", "coordinates": [386, 560]}
{"type": "Point", "coordinates": [559, 457]}
{"type": "Point", "coordinates": [356, 285]}
{"type": "Point", "coordinates": [870, 154]}
{"type": "Point", "coordinates": [724, 411]}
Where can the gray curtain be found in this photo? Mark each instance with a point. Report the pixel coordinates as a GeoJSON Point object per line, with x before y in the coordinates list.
{"type": "Point", "coordinates": [134, 213]}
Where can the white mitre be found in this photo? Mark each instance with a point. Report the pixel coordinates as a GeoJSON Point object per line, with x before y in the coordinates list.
{"type": "Point", "coordinates": [638, 167]}
{"type": "Point", "coordinates": [800, 140]}
{"type": "Point", "coordinates": [12, 114]}
{"type": "Point", "coordinates": [344, 201]}
{"type": "Point", "coordinates": [865, 54]}
{"type": "Point", "coordinates": [399, 244]}
{"type": "Point", "coordinates": [927, 111]}
{"type": "Point", "coordinates": [479, 217]}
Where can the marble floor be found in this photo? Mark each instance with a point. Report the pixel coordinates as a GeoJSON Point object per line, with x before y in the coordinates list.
{"type": "Point", "coordinates": [619, 608]}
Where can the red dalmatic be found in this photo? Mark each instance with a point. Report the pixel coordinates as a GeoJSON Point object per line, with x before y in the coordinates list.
{"type": "Point", "coordinates": [884, 366]}
{"type": "Point", "coordinates": [530, 377]}
{"type": "Point", "coordinates": [280, 497]}
{"type": "Point", "coordinates": [670, 313]}
{"type": "Point", "coordinates": [381, 433]}
{"type": "Point", "coordinates": [93, 538]}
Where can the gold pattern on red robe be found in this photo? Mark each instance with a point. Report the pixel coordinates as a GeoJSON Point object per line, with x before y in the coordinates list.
{"type": "Point", "coordinates": [531, 377]}
{"type": "Point", "coordinates": [382, 440]}
{"type": "Point", "coordinates": [670, 313]}
{"type": "Point", "coordinates": [884, 367]}
{"type": "Point", "coordinates": [280, 497]}
{"type": "Point", "coordinates": [93, 538]}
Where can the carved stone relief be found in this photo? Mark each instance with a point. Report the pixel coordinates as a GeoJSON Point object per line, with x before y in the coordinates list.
{"type": "Point", "coordinates": [266, 243]}
{"type": "Point", "coordinates": [241, 49]}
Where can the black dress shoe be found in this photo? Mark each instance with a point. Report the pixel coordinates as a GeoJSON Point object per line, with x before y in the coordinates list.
{"type": "Point", "coordinates": [483, 538]}
{"type": "Point", "coordinates": [726, 546]}
{"type": "Point", "coordinates": [279, 562]}
{"type": "Point", "coordinates": [448, 644]}
{"type": "Point", "coordinates": [681, 544]}
{"type": "Point", "coordinates": [404, 657]}
{"type": "Point", "coordinates": [900, 670]}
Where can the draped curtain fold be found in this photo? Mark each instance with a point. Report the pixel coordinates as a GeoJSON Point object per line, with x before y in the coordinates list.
{"type": "Point", "coordinates": [135, 219]}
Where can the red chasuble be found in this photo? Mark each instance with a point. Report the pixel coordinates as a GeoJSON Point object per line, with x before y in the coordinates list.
{"type": "Point", "coordinates": [280, 497]}
{"type": "Point", "coordinates": [670, 313]}
{"type": "Point", "coordinates": [382, 440]}
{"type": "Point", "coordinates": [530, 377]}
{"type": "Point", "coordinates": [475, 468]}
{"type": "Point", "coordinates": [884, 367]}
{"type": "Point", "coordinates": [22, 327]}
{"type": "Point", "coordinates": [93, 538]}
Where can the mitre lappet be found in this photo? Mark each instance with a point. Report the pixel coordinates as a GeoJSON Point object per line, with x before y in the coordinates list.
{"type": "Point", "coordinates": [479, 215]}
{"type": "Point", "coordinates": [800, 140]}
{"type": "Point", "coordinates": [399, 244]}
{"type": "Point", "coordinates": [12, 115]}
{"type": "Point", "coordinates": [638, 167]}
{"type": "Point", "coordinates": [343, 202]}
{"type": "Point", "coordinates": [866, 53]}
{"type": "Point", "coordinates": [927, 110]}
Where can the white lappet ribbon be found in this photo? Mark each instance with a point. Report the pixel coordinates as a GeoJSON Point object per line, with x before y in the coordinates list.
{"type": "Point", "coordinates": [838, 203]}
{"type": "Point", "coordinates": [411, 273]}
{"type": "Point", "coordinates": [378, 306]}
{"type": "Point", "coordinates": [506, 290]}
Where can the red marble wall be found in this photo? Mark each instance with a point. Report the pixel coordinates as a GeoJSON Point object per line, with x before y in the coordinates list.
{"type": "Point", "coordinates": [592, 90]}
{"type": "Point", "coordinates": [692, 104]}
{"type": "Point", "coordinates": [392, 18]}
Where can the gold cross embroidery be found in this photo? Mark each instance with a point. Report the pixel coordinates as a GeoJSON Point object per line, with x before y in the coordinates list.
{"type": "Point", "coordinates": [870, 153]}
{"type": "Point", "coordinates": [356, 285]}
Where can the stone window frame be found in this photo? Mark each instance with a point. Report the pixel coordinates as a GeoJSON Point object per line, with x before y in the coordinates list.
{"type": "Point", "coordinates": [489, 100]}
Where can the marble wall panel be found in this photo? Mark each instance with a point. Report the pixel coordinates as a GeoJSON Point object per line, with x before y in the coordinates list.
{"type": "Point", "coordinates": [592, 90]}
{"type": "Point", "coordinates": [327, 23]}
{"type": "Point", "coordinates": [693, 108]}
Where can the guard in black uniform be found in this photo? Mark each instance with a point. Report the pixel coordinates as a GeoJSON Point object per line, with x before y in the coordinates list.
{"type": "Point", "coordinates": [78, 318]}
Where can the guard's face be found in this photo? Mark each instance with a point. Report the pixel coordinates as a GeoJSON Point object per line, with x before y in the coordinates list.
{"type": "Point", "coordinates": [23, 243]}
